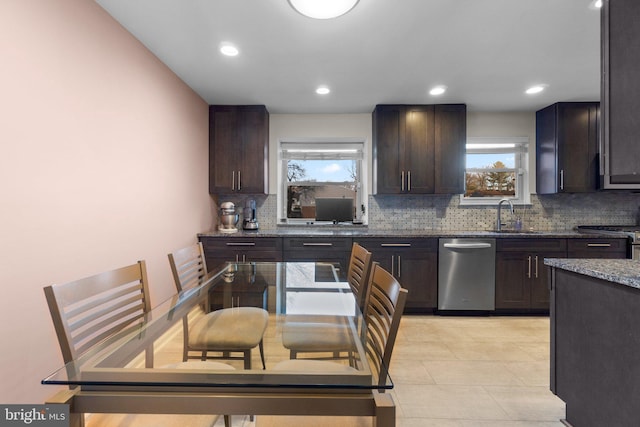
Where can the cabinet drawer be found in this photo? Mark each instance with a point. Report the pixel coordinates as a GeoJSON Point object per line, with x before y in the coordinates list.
{"type": "Point", "coordinates": [398, 244]}
{"type": "Point", "coordinates": [585, 248]}
{"type": "Point", "coordinates": [241, 243]}
{"type": "Point", "coordinates": [531, 245]}
{"type": "Point", "coordinates": [312, 244]}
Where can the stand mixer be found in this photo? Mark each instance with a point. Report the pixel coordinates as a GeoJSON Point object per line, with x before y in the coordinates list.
{"type": "Point", "coordinates": [228, 218]}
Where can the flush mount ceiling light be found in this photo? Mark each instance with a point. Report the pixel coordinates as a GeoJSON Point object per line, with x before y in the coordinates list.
{"type": "Point", "coordinates": [323, 90]}
{"type": "Point", "coordinates": [323, 9]}
{"type": "Point", "coordinates": [535, 89]}
{"type": "Point", "coordinates": [228, 49]}
{"type": "Point", "coordinates": [596, 4]}
{"type": "Point", "coordinates": [437, 90]}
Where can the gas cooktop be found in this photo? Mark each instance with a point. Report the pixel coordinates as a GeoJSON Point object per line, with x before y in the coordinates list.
{"type": "Point", "coordinates": [615, 228]}
{"type": "Point", "coordinates": [632, 231]}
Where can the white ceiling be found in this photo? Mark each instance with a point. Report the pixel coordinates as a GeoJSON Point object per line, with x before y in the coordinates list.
{"type": "Point", "coordinates": [487, 52]}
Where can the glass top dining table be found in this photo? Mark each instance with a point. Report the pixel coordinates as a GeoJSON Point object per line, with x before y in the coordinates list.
{"type": "Point", "coordinates": [145, 356]}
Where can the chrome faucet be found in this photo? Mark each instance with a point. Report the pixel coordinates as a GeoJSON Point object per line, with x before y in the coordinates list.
{"type": "Point", "coordinates": [499, 220]}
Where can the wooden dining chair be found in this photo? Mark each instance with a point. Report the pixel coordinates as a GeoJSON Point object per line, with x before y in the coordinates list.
{"type": "Point", "coordinates": [383, 312]}
{"type": "Point", "coordinates": [227, 331]}
{"type": "Point", "coordinates": [90, 310]}
{"type": "Point", "coordinates": [87, 311]}
{"type": "Point", "coordinates": [320, 336]}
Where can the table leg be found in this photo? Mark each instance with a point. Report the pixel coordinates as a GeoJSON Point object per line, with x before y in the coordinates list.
{"type": "Point", "coordinates": [65, 397]}
{"type": "Point", "coordinates": [385, 410]}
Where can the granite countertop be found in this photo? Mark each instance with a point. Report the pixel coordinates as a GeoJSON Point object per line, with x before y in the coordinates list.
{"type": "Point", "coordinates": [623, 271]}
{"type": "Point", "coordinates": [363, 231]}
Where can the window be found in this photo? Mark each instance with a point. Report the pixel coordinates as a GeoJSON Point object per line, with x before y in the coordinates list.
{"type": "Point", "coordinates": [312, 170]}
{"type": "Point", "coordinates": [496, 168]}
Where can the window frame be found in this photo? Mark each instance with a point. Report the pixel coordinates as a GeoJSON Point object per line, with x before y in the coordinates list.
{"type": "Point", "coordinates": [327, 144]}
{"type": "Point", "coordinates": [519, 146]}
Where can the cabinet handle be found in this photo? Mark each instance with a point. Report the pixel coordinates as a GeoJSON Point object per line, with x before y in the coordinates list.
{"type": "Point", "coordinates": [395, 245]}
{"type": "Point", "coordinates": [529, 268]}
{"type": "Point", "coordinates": [399, 267]}
{"type": "Point", "coordinates": [402, 181]}
{"type": "Point", "coordinates": [536, 266]}
{"type": "Point", "coordinates": [316, 244]}
{"type": "Point", "coordinates": [237, 258]}
{"type": "Point", "coordinates": [244, 257]}
{"type": "Point", "coordinates": [392, 265]}
{"type": "Point", "coordinates": [239, 182]}
{"type": "Point", "coordinates": [598, 245]}
{"type": "Point", "coordinates": [233, 180]}
{"type": "Point", "coordinates": [562, 179]}
{"type": "Point", "coordinates": [241, 244]}
{"type": "Point", "coordinates": [408, 180]}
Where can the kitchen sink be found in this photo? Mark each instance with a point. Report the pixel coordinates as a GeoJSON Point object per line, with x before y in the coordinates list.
{"type": "Point", "coordinates": [516, 231]}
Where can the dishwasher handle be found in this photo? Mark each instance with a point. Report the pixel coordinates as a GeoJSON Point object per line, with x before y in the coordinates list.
{"type": "Point", "coordinates": [478, 245]}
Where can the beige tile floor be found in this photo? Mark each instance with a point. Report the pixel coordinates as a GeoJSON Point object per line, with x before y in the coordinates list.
{"type": "Point", "coordinates": [456, 372]}
{"type": "Point", "coordinates": [471, 372]}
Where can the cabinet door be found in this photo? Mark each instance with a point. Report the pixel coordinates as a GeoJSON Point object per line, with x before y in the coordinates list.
{"type": "Point", "coordinates": [539, 279]}
{"type": "Point", "coordinates": [418, 273]}
{"type": "Point", "coordinates": [578, 146]}
{"type": "Point", "coordinates": [388, 146]}
{"type": "Point", "coordinates": [419, 154]}
{"type": "Point", "coordinates": [620, 88]}
{"type": "Point", "coordinates": [223, 149]}
{"type": "Point", "coordinates": [450, 148]}
{"type": "Point", "coordinates": [252, 152]}
{"type": "Point", "coordinates": [513, 287]}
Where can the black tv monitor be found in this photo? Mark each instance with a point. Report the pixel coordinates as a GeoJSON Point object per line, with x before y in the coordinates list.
{"type": "Point", "coordinates": [334, 209]}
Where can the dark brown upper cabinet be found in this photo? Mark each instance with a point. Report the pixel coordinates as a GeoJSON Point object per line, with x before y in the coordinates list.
{"type": "Point", "coordinates": [567, 135]}
{"type": "Point", "coordinates": [419, 149]}
{"type": "Point", "coordinates": [238, 149]}
{"type": "Point", "coordinates": [620, 154]}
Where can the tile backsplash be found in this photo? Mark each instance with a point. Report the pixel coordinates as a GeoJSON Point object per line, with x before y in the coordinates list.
{"type": "Point", "coordinates": [558, 212]}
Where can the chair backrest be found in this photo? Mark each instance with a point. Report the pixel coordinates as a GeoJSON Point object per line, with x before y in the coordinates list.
{"type": "Point", "coordinates": [358, 273]}
{"type": "Point", "coordinates": [385, 304]}
{"type": "Point", "coordinates": [88, 310]}
{"type": "Point", "coordinates": [188, 266]}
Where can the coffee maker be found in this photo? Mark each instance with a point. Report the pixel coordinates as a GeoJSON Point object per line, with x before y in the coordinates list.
{"type": "Point", "coordinates": [249, 221]}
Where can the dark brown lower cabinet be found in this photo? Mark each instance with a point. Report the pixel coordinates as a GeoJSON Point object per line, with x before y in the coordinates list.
{"type": "Point", "coordinates": [414, 262]}
{"type": "Point", "coordinates": [522, 282]}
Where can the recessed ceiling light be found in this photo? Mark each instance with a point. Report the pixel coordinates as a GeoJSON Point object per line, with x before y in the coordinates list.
{"type": "Point", "coordinates": [596, 4]}
{"type": "Point", "coordinates": [536, 89]}
{"type": "Point", "coordinates": [438, 90]}
{"type": "Point", "coordinates": [229, 49]}
{"type": "Point", "coordinates": [322, 90]}
{"type": "Point", "coordinates": [323, 9]}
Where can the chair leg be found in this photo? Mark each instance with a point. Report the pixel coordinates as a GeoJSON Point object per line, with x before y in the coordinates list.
{"type": "Point", "coordinates": [247, 359]}
{"type": "Point", "coordinates": [227, 421]}
{"type": "Point", "coordinates": [261, 347]}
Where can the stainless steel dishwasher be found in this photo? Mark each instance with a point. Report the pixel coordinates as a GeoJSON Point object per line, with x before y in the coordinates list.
{"type": "Point", "coordinates": [466, 274]}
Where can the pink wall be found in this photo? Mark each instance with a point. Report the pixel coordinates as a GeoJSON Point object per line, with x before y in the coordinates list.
{"type": "Point", "coordinates": [103, 162]}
